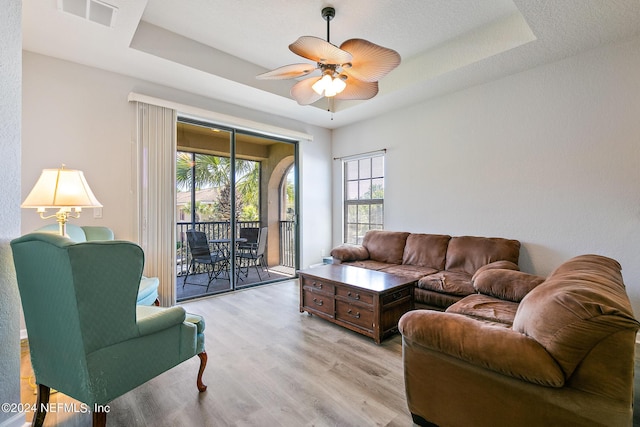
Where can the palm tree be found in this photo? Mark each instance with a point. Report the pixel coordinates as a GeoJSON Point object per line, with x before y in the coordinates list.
{"type": "Point", "coordinates": [215, 171]}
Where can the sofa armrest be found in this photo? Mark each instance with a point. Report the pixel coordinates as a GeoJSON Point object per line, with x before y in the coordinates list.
{"type": "Point", "coordinates": [152, 319]}
{"type": "Point", "coordinates": [503, 265]}
{"type": "Point", "coordinates": [483, 344]}
{"type": "Point", "coordinates": [508, 285]}
{"type": "Point", "coordinates": [348, 252]}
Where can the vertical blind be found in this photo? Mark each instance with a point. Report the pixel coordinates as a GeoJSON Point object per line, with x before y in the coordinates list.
{"type": "Point", "coordinates": [155, 149]}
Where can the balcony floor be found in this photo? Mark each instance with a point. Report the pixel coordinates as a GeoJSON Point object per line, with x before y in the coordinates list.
{"type": "Point", "coordinates": [197, 283]}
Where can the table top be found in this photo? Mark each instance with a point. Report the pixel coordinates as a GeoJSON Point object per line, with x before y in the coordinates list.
{"type": "Point", "coordinates": [238, 240]}
{"type": "Point", "coordinates": [364, 278]}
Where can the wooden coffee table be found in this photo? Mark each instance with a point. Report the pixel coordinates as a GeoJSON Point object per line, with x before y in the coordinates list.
{"type": "Point", "coordinates": [366, 301]}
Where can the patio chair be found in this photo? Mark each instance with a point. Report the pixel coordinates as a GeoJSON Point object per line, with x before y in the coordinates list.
{"type": "Point", "coordinates": [216, 263]}
{"type": "Point", "coordinates": [254, 255]}
{"type": "Point", "coordinates": [251, 235]}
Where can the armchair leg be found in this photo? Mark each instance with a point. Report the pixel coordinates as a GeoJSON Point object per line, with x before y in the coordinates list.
{"type": "Point", "coordinates": [41, 408]}
{"type": "Point", "coordinates": [99, 419]}
{"type": "Point", "coordinates": [203, 364]}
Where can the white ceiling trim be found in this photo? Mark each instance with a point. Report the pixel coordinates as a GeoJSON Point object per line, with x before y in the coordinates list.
{"type": "Point", "coordinates": [198, 47]}
{"type": "Point", "coordinates": [196, 113]}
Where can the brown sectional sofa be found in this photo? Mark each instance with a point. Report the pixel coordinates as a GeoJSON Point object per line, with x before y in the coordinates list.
{"type": "Point", "coordinates": [526, 351]}
{"type": "Point", "coordinates": [442, 265]}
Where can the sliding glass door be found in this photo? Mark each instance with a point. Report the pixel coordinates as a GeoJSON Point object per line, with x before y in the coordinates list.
{"type": "Point", "coordinates": [236, 192]}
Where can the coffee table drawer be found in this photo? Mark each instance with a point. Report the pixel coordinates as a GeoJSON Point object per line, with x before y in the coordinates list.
{"type": "Point", "coordinates": [318, 285]}
{"type": "Point", "coordinates": [319, 302]}
{"type": "Point", "coordinates": [355, 314]}
{"type": "Point", "coordinates": [354, 295]}
{"type": "Point", "coordinates": [396, 296]}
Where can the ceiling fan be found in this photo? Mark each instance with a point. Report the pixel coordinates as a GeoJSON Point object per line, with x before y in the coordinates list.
{"type": "Point", "coordinates": [349, 72]}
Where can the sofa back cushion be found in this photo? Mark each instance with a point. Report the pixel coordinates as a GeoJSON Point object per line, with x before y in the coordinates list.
{"type": "Point", "coordinates": [79, 234]}
{"type": "Point", "coordinates": [510, 285]}
{"type": "Point", "coordinates": [426, 250]}
{"type": "Point", "coordinates": [582, 303]}
{"type": "Point", "coordinates": [385, 246]}
{"type": "Point", "coordinates": [469, 253]}
{"type": "Point", "coordinates": [74, 232]}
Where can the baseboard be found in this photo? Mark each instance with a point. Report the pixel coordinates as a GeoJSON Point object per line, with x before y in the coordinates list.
{"type": "Point", "coordinates": [17, 420]}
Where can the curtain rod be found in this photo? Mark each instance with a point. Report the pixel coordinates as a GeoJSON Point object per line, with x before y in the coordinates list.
{"type": "Point", "coordinates": [355, 156]}
{"type": "Point", "coordinates": [221, 119]}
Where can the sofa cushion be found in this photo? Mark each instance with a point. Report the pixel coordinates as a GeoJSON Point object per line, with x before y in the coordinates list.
{"type": "Point", "coordinates": [433, 300]}
{"type": "Point", "coordinates": [410, 271]}
{"type": "Point", "coordinates": [93, 232]}
{"type": "Point", "coordinates": [448, 282]}
{"type": "Point", "coordinates": [599, 265]}
{"type": "Point", "coordinates": [508, 285]}
{"type": "Point", "coordinates": [348, 252]}
{"type": "Point", "coordinates": [385, 246]}
{"type": "Point", "coordinates": [504, 265]}
{"type": "Point", "coordinates": [582, 303]}
{"type": "Point", "coordinates": [486, 308]}
{"type": "Point", "coordinates": [426, 250]}
{"type": "Point", "coordinates": [74, 232]}
{"type": "Point", "coordinates": [369, 264]}
{"type": "Point", "coordinates": [469, 253]}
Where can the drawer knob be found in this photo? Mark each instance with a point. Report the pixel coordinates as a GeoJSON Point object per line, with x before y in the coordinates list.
{"type": "Point", "coordinates": [355, 316]}
{"type": "Point", "coordinates": [356, 296]}
{"type": "Point", "coordinates": [318, 302]}
{"type": "Point", "coordinates": [396, 295]}
{"type": "Point", "coordinates": [317, 285]}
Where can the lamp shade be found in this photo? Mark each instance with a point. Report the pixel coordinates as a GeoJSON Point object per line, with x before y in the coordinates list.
{"type": "Point", "coordinates": [61, 188]}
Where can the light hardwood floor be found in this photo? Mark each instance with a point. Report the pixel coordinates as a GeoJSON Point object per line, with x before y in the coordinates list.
{"type": "Point", "coordinates": [269, 365]}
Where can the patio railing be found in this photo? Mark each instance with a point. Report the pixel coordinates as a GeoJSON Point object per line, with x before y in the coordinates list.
{"type": "Point", "coordinates": [287, 244]}
{"type": "Point", "coordinates": [221, 230]}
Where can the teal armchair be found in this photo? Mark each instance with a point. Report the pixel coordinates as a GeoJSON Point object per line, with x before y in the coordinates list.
{"type": "Point", "coordinates": [148, 289]}
{"type": "Point", "coordinates": [87, 337]}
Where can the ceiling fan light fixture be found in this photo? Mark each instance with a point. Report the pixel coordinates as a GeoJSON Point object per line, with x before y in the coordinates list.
{"type": "Point", "coordinates": [322, 84]}
{"type": "Point", "coordinates": [329, 86]}
{"type": "Point", "coordinates": [349, 72]}
{"type": "Point", "coordinates": [338, 84]}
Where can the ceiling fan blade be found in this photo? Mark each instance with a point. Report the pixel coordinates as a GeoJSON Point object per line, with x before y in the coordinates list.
{"type": "Point", "coordinates": [358, 89]}
{"type": "Point", "coordinates": [287, 72]}
{"type": "Point", "coordinates": [370, 62]}
{"type": "Point", "coordinates": [304, 93]}
{"type": "Point", "coordinates": [318, 50]}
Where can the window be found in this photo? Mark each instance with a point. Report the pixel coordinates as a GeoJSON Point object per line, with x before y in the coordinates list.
{"type": "Point", "coordinates": [364, 197]}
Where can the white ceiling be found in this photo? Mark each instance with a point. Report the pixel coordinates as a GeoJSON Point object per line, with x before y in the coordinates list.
{"type": "Point", "coordinates": [215, 48]}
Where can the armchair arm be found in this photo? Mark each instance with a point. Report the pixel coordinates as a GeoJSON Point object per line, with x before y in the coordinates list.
{"type": "Point", "coordinates": [348, 252]}
{"type": "Point", "coordinates": [506, 284]}
{"type": "Point", "coordinates": [482, 344]}
{"type": "Point", "coordinates": [154, 319]}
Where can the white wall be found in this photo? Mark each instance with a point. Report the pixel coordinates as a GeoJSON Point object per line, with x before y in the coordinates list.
{"type": "Point", "coordinates": [10, 109]}
{"type": "Point", "coordinates": [80, 116]}
{"type": "Point", "coordinates": [550, 157]}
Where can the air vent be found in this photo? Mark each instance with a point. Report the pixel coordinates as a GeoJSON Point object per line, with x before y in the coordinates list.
{"type": "Point", "coordinates": [92, 10]}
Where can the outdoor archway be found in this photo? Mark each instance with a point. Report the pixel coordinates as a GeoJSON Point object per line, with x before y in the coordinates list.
{"type": "Point", "coordinates": [276, 181]}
